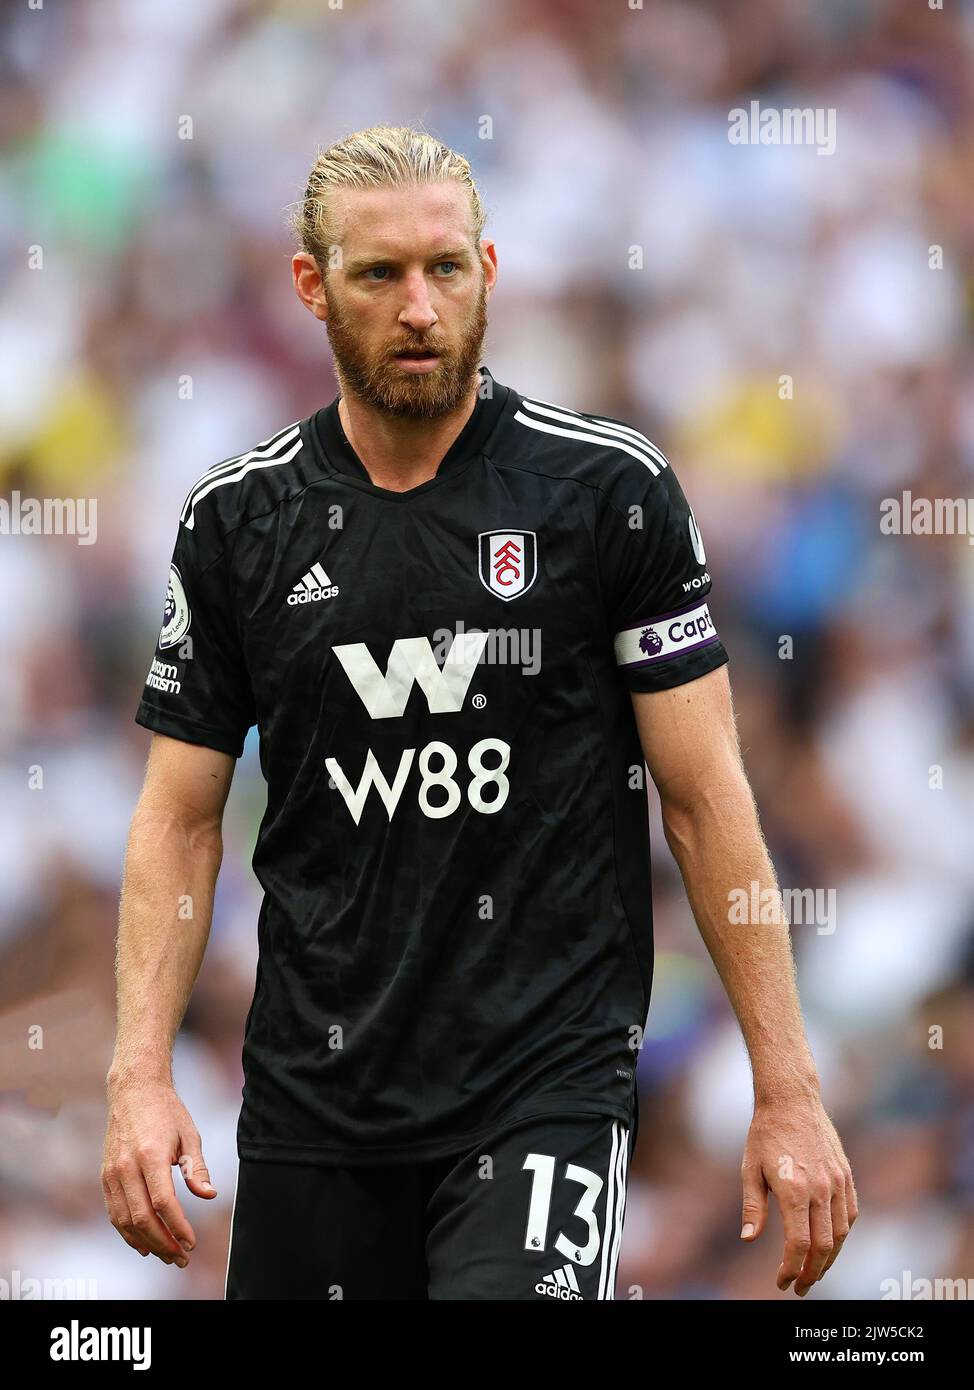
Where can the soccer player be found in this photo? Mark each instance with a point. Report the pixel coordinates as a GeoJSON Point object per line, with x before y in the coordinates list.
{"type": "Point", "coordinates": [461, 619]}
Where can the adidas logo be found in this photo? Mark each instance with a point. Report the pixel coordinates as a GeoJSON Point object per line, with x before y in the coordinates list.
{"type": "Point", "coordinates": [562, 1284]}
{"type": "Point", "coordinates": [312, 587]}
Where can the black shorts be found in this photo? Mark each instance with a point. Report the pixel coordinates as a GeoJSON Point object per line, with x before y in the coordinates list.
{"type": "Point", "coordinates": [533, 1212]}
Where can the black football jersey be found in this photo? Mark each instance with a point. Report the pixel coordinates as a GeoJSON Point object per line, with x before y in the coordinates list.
{"type": "Point", "coordinates": [456, 928]}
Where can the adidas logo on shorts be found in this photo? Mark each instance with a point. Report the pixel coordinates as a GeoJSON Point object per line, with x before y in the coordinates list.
{"type": "Point", "coordinates": [312, 587]}
{"type": "Point", "coordinates": [562, 1284]}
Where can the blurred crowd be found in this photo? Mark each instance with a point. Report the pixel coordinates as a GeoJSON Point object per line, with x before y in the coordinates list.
{"type": "Point", "coordinates": [792, 327]}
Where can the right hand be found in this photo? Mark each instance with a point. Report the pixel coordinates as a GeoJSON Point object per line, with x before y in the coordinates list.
{"type": "Point", "coordinates": [149, 1131]}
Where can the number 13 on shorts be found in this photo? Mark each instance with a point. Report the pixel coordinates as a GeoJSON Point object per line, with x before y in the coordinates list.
{"type": "Point", "coordinates": [576, 1212]}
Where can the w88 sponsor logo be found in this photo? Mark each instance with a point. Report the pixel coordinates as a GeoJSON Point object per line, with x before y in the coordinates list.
{"type": "Point", "coordinates": [435, 784]}
{"type": "Point", "coordinates": [385, 696]}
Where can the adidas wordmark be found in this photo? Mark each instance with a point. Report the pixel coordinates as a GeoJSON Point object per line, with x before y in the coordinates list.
{"type": "Point", "coordinates": [312, 587]}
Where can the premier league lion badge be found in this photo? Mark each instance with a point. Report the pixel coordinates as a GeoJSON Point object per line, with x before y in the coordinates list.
{"type": "Point", "coordinates": [176, 615]}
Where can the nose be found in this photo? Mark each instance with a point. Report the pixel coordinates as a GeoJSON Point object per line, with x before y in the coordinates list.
{"type": "Point", "coordinates": [417, 313]}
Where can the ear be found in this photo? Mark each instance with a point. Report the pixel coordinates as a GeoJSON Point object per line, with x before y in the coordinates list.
{"type": "Point", "coordinates": [488, 259]}
{"type": "Point", "coordinates": [309, 285]}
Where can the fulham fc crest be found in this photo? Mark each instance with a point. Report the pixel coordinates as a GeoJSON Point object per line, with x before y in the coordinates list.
{"type": "Point", "coordinates": [508, 562]}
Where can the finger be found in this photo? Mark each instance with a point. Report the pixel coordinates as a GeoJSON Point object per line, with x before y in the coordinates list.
{"type": "Point", "coordinates": [146, 1225]}
{"type": "Point", "coordinates": [754, 1212]}
{"type": "Point", "coordinates": [820, 1231]}
{"type": "Point", "coordinates": [840, 1224]}
{"type": "Point", "coordinates": [193, 1167]}
{"type": "Point", "coordinates": [119, 1214]}
{"type": "Point", "coordinates": [794, 1218]}
{"type": "Point", "coordinates": [851, 1200]}
{"type": "Point", "coordinates": [165, 1203]}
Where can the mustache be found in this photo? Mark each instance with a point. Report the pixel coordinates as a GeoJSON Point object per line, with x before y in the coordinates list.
{"type": "Point", "coordinates": [419, 347]}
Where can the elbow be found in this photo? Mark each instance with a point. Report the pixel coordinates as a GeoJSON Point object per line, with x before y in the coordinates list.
{"type": "Point", "coordinates": [679, 827]}
{"type": "Point", "coordinates": [701, 814]}
{"type": "Point", "coordinates": [187, 834]}
{"type": "Point", "coordinates": [692, 804]}
{"type": "Point", "coordinates": [207, 839]}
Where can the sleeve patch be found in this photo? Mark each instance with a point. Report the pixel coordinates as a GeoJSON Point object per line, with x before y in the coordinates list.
{"type": "Point", "coordinates": [176, 616]}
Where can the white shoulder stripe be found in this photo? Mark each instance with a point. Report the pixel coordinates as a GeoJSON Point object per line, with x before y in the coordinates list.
{"type": "Point", "coordinates": [265, 448]}
{"type": "Point", "coordinates": [647, 444]}
{"type": "Point", "coordinates": [556, 405]}
{"type": "Point", "coordinates": [608, 426]}
{"type": "Point", "coordinates": [607, 439]}
{"type": "Point", "coordinates": [281, 449]}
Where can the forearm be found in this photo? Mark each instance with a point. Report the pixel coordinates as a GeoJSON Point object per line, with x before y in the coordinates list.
{"type": "Point", "coordinates": [720, 850]}
{"type": "Point", "coordinates": [164, 922]}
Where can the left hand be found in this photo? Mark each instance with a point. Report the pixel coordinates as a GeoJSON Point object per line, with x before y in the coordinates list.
{"type": "Point", "coordinates": [793, 1150]}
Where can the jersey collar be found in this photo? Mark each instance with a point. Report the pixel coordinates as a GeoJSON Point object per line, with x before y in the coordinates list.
{"type": "Point", "coordinates": [486, 414]}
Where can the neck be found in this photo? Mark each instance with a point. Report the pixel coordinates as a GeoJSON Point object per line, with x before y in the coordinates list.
{"type": "Point", "coordinates": [401, 451]}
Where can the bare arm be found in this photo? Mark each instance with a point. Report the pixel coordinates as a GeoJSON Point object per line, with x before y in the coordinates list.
{"type": "Point", "coordinates": [173, 857]}
{"type": "Point", "coordinates": [711, 825]}
{"type": "Point", "coordinates": [171, 865]}
{"type": "Point", "coordinates": [689, 740]}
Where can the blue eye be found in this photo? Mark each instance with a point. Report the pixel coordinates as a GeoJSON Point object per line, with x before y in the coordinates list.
{"type": "Point", "coordinates": [380, 268]}
{"type": "Point", "coordinates": [455, 264]}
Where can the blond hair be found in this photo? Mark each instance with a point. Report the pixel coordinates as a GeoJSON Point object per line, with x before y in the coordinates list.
{"type": "Point", "coordinates": [381, 157]}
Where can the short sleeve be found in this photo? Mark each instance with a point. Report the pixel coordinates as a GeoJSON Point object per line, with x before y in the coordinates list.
{"type": "Point", "coordinates": [655, 580]}
{"type": "Point", "coordinates": [198, 688]}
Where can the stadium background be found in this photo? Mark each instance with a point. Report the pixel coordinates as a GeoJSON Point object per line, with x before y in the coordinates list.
{"type": "Point", "coordinates": [165, 261]}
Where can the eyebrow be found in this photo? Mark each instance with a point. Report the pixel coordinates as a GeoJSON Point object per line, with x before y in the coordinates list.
{"type": "Point", "coordinates": [366, 262]}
